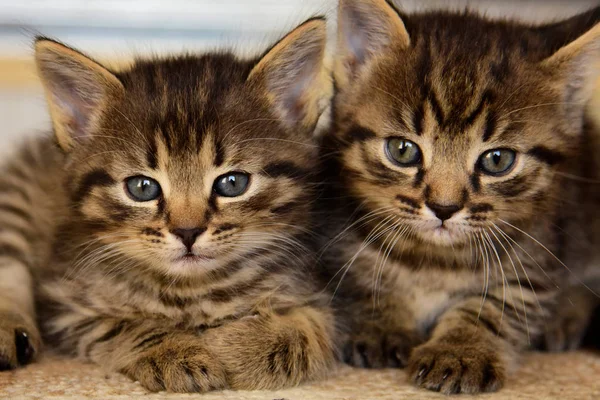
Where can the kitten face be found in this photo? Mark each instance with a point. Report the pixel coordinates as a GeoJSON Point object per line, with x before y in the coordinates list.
{"type": "Point", "coordinates": [222, 181]}
{"type": "Point", "coordinates": [453, 124]}
{"type": "Point", "coordinates": [184, 165]}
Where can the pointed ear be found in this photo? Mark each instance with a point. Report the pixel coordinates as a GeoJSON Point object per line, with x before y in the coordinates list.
{"type": "Point", "coordinates": [366, 28]}
{"type": "Point", "coordinates": [577, 66]}
{"type": "Point", "coordinates": [295, 75]}
{"type": "Point", "coordinates": [77, 89]}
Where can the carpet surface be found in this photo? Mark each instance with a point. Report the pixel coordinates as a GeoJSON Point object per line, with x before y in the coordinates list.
{"type": "Point", "coordinates": [572, 376]}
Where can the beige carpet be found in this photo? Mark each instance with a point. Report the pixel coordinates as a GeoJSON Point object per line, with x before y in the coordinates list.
{"type": "Point", "coordinates": [574, 376]}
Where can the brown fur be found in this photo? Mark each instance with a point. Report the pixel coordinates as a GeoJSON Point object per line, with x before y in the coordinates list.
{"type": "Point", "coordinates": [456, 306]}
{"type": "Point", "coordinates": [113, 285]}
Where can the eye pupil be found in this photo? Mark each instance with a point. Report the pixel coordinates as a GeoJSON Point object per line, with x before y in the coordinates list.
{"type": "Point", "coordinates": [232, 184]}
{"type": "Point", "coordinates": [497, 157]}
{"type": "Point", "coordinates": [497, 162]}
{"type": "Point", "coordinates": [403, 152]}
{"type": "Point", "coordinates": [141, 188]}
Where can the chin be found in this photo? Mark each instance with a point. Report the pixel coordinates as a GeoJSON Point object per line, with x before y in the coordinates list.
{"type": "Point", "coordinates": [444, 237]}
{"type": "Point", "coordinates": [187, 267]}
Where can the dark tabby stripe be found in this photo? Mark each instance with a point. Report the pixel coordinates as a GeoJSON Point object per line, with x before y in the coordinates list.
{"type": "Point", "coordinates": [219, 153]}
{"type": "Point", "coordinates": [477, 318]}
{"type": "Point", "coordinates": [546, 155]}
{"type": "Point", "coordinates": [486, 99]}
{"type": "Point", "coordinates": [150, 341]}
{"type": "Point", "coordinates": [151, 154]}
{"type": "Point", "coordinates": [13, 252]}
{"type": "Point", "coordinates": [16, 211]}
{"type": "Point", "coordinates": [359, 134]}
{"type": "Point", "coordinates": [285, 169]}
{"type": "Point", "coordinates": [110, 334]}
{"type": "Point", "coordinates": [96, 177]}
{"type": "Point", "coordinates": [490, 126]}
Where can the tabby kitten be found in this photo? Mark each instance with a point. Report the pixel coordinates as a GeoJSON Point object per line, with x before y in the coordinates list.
{"type": "Point", "coordinates": [168, 233]}
{"type": "Point", "coordinates": [460, 153]}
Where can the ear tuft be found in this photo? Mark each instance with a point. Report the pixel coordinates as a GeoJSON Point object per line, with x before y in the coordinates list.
{"type": "Point", "coordinates": [295, 75]}
{"type": "Point", "coordinates": [366, 28]}
{"type": "Point", "coordinates": [77, 89]}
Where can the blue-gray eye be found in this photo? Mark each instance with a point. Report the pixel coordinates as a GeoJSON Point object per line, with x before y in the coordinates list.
{"type": "Point", "coordinates": [403, 152]}
{"type": "Point", "coordinates": [232, 184]}
{"type": "Point", "coordinates": [497, 162]}
{"type": "Point", "coordinates": [142, 188]}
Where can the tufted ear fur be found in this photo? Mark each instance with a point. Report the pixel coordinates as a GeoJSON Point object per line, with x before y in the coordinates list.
{"type": "Point", "coordinates": [577, 68]}
{"type": "Point", "coordinates": [365, 29]}
{"type": "Point", "coordinates": [77, 89]}
{"type": "Point", "coordinates": [295, 76]}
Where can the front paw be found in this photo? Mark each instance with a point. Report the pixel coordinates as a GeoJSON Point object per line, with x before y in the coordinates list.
{"type": "Point", "coordinates": [19, 340]}
{"type": "Point", "coordinates": [457, 368]}
{"type": "Point", "coordinates": [178, 365]}
{"type": "Point", "coordinates": [379, 350]}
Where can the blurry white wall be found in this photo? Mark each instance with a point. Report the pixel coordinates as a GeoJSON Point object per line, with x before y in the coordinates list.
{"type": "Point", "coordinates": [114, 29]}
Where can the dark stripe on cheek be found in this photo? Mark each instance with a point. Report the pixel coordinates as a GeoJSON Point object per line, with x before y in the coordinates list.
{"type": "Point", "coordinates": [118, 212]}
{"type": "Point", "coordinates": [476, 182]}
{"type": "Point", "coordinates": [285, 169]}
{"type": "Point", "coordinates": [261, 200]}
{"type": "Point", "coordinates": [515, 186]}
{"type": "Point", "coordinates": [544, 154]}
{"type": "Point", "coordinates": [284, 208]}
{"type": "Point", "coordinates": [161, 206]}
{"type": "Point", "coordinates": [225, 228]}
{"type": "Point", "coordinates": [359, 134]}
{"type": "Point", "coordinates": [419, 177]}
{"type": "Point", "coordinates": [407, 200]}
{"type": "Point", "coordinates": [481, 208]}
{"type": "Point", "coordinates": [97, 177]}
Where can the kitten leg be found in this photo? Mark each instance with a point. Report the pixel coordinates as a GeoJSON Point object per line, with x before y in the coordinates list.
{"type": "Point", "coordinates": [379, 339]}
{"type": "Point", "coordinates": [272, 350]}
{"type": "Point", "coordinates": [159, 356]}
{"type": "Point", "coordinates": [574, 311]}
{"type": "Point", "coordinates": [19, 335]}
{"type": "Point", "coordinates": [473, 346]}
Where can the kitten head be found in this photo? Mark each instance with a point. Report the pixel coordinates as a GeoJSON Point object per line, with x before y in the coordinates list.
{"type": "Point", "coordinates": [450, 123]}
{"type": "Point", "coordinates": [185, 164]}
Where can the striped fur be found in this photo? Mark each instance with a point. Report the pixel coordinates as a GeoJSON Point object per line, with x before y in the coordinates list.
{"type": "Point", "coordinates": [114, 284]}
{"type": "Point", "coordinates": [457, 302]}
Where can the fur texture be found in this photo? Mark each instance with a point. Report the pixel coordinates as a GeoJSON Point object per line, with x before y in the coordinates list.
{"type": "Point", "coordinates": [188, 290]}
{"type": "Point", "coordinates": [438, 265]}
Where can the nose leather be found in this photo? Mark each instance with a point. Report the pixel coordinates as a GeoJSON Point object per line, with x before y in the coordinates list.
{"type": "Point", "coordinates": [188, 236]}
{"type": "Point", "coordinates": [444, 212]}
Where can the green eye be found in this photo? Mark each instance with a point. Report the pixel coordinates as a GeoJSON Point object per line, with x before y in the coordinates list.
{"type": "Point", "coordinates": [141, 188]}
{"type": "Point", "coordinates": [403, 152]}
{"type": "Point", "coordinates": [497, 162]}
{"type": "Point", "coordinates": [232, 184]}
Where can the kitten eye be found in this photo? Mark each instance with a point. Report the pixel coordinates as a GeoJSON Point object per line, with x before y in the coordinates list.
{"type": "Point", "coordinates": [232, 184]}
{"type": "Point", "coordinates": [403, 152]}
{"type": "Point", "coordinates": [141, 188]}
{"type": "Point", "coordinates": [497, 162]}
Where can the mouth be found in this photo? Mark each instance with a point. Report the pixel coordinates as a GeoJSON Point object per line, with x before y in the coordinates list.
{"type": "Point", "coordinates": [192, 257]}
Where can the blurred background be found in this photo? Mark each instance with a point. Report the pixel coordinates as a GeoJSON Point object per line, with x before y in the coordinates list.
{"type": "Point", "coordinates": [114, 30]}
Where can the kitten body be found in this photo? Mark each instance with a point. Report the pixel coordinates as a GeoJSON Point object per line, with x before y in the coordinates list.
{"type": "Point", "coordinates": [443, 261]}
{"type": "Point", "coordinates": [166, 232]}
